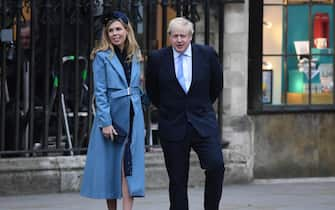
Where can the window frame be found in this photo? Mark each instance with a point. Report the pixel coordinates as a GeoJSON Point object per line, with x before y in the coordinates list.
{"type": "Point", "coordinates": [255, 58]}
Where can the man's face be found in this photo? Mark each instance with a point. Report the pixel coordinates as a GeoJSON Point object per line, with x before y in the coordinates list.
{"type": "Point", "coordinates": [25, 37]}
{"type": "Point", "coordinates": [180, 39]}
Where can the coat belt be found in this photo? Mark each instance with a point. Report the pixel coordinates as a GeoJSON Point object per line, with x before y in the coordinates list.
{"type": "Point", "coordinates": [126, 92]}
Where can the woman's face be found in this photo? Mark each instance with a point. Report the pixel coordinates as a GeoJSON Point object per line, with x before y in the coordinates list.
{"type": "Point", "coordinates": [117, 34]}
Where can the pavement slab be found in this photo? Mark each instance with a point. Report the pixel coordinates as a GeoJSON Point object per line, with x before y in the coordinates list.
{"type": "Point", "coordinates": [254, 196]}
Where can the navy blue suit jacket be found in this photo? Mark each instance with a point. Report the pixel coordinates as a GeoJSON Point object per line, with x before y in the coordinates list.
{"type": "Point", "coordinates": [176, 108]}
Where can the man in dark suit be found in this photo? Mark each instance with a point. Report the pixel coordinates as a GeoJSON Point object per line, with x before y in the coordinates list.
{"type": "Point", "coordinates": [183, 81]}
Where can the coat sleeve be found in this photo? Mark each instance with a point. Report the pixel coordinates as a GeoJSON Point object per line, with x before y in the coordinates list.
{"type": "Point", "coordinates": [216, 83]}
{"type": "Point", "coordinates": [100, 91]}
{"type": "Point", "coordinates": [152, 79]}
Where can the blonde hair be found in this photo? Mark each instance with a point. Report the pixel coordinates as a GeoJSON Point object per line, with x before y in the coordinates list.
{"type": "Point", "coordinates": [180, 22]}
{"type": "Point", "coordinates": [131, 44]}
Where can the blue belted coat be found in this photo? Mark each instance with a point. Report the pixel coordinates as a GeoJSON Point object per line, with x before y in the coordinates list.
{"type": "Point", "coordinates": [102, 173]}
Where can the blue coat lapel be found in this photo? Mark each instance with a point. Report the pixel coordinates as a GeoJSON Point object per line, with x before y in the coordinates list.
{"type": "Point", "coordinates": [117, 66]}
{"type": "Point", "coordinates": [135, 70]}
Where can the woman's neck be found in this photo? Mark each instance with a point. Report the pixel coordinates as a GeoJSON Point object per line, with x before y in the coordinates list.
{"type": "Point", "coordinates": [119, 48]}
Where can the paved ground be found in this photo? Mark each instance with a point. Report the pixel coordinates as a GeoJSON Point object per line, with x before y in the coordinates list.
{"type": "Point", "coordinates": [260, 195]}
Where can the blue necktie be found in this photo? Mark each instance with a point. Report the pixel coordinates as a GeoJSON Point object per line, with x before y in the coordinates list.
{"type": "Point", "coordinates": [180, 72]}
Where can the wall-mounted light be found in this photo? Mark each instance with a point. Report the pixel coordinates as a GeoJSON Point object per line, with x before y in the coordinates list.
{"type": "Point", "coordinates": [267, 24]}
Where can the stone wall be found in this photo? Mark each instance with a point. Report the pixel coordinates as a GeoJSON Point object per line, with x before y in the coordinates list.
{"type": "Point", "coordinates": [294, 145]}
{"type": "Point", "coordinates": [238, 128]}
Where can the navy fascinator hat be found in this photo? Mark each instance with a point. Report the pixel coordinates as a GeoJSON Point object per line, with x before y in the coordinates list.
{"type": "Point", "coordinates": [116, 15]}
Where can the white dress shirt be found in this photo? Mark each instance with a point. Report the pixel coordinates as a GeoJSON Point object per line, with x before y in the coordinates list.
{"type": "Point", "coordinates": [187, 65]}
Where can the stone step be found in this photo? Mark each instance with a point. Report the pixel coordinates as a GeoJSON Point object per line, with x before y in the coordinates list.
{"type": "Point", "coordinates": [63, 173]}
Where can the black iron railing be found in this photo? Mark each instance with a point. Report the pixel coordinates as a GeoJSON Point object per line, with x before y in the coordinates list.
{"type": "Point", "coordinates": [46, 85]}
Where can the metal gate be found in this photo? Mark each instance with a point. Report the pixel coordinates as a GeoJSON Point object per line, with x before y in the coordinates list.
{"type": "Point", "coordinates": [45, 74]}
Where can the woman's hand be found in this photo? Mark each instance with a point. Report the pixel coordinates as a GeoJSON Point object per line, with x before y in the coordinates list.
{"type": "Point", "coordinates": [109, 132]}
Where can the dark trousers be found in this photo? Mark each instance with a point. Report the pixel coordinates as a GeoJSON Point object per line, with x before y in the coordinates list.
{"type": "Point", "coordinates": [177, 154]}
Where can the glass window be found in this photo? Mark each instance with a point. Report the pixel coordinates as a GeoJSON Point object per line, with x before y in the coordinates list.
{"type": "Point", "coordinates": [296, 1]}
{"type": "Point", "coordinates": [274, 1]}
{"type": "Point", "coordinates": [307, 1]}
{"type": "Point", "coordinates": [298, 53]}
{"type": "Point", "coordinates": [273, 30]}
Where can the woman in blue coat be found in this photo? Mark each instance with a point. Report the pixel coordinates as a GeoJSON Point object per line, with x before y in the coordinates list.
{"type": "Point", "coordinates": [115, 157]}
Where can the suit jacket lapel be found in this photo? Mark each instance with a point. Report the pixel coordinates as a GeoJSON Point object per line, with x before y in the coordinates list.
{"type": "Point", "coordinates": [170, 64]}
{"type": "Point", "coordinates": [172, 69]}
{"type": "Point", "coordinates": [194, 66]}
{"type": "Point", "coordinates": [117, 66]}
